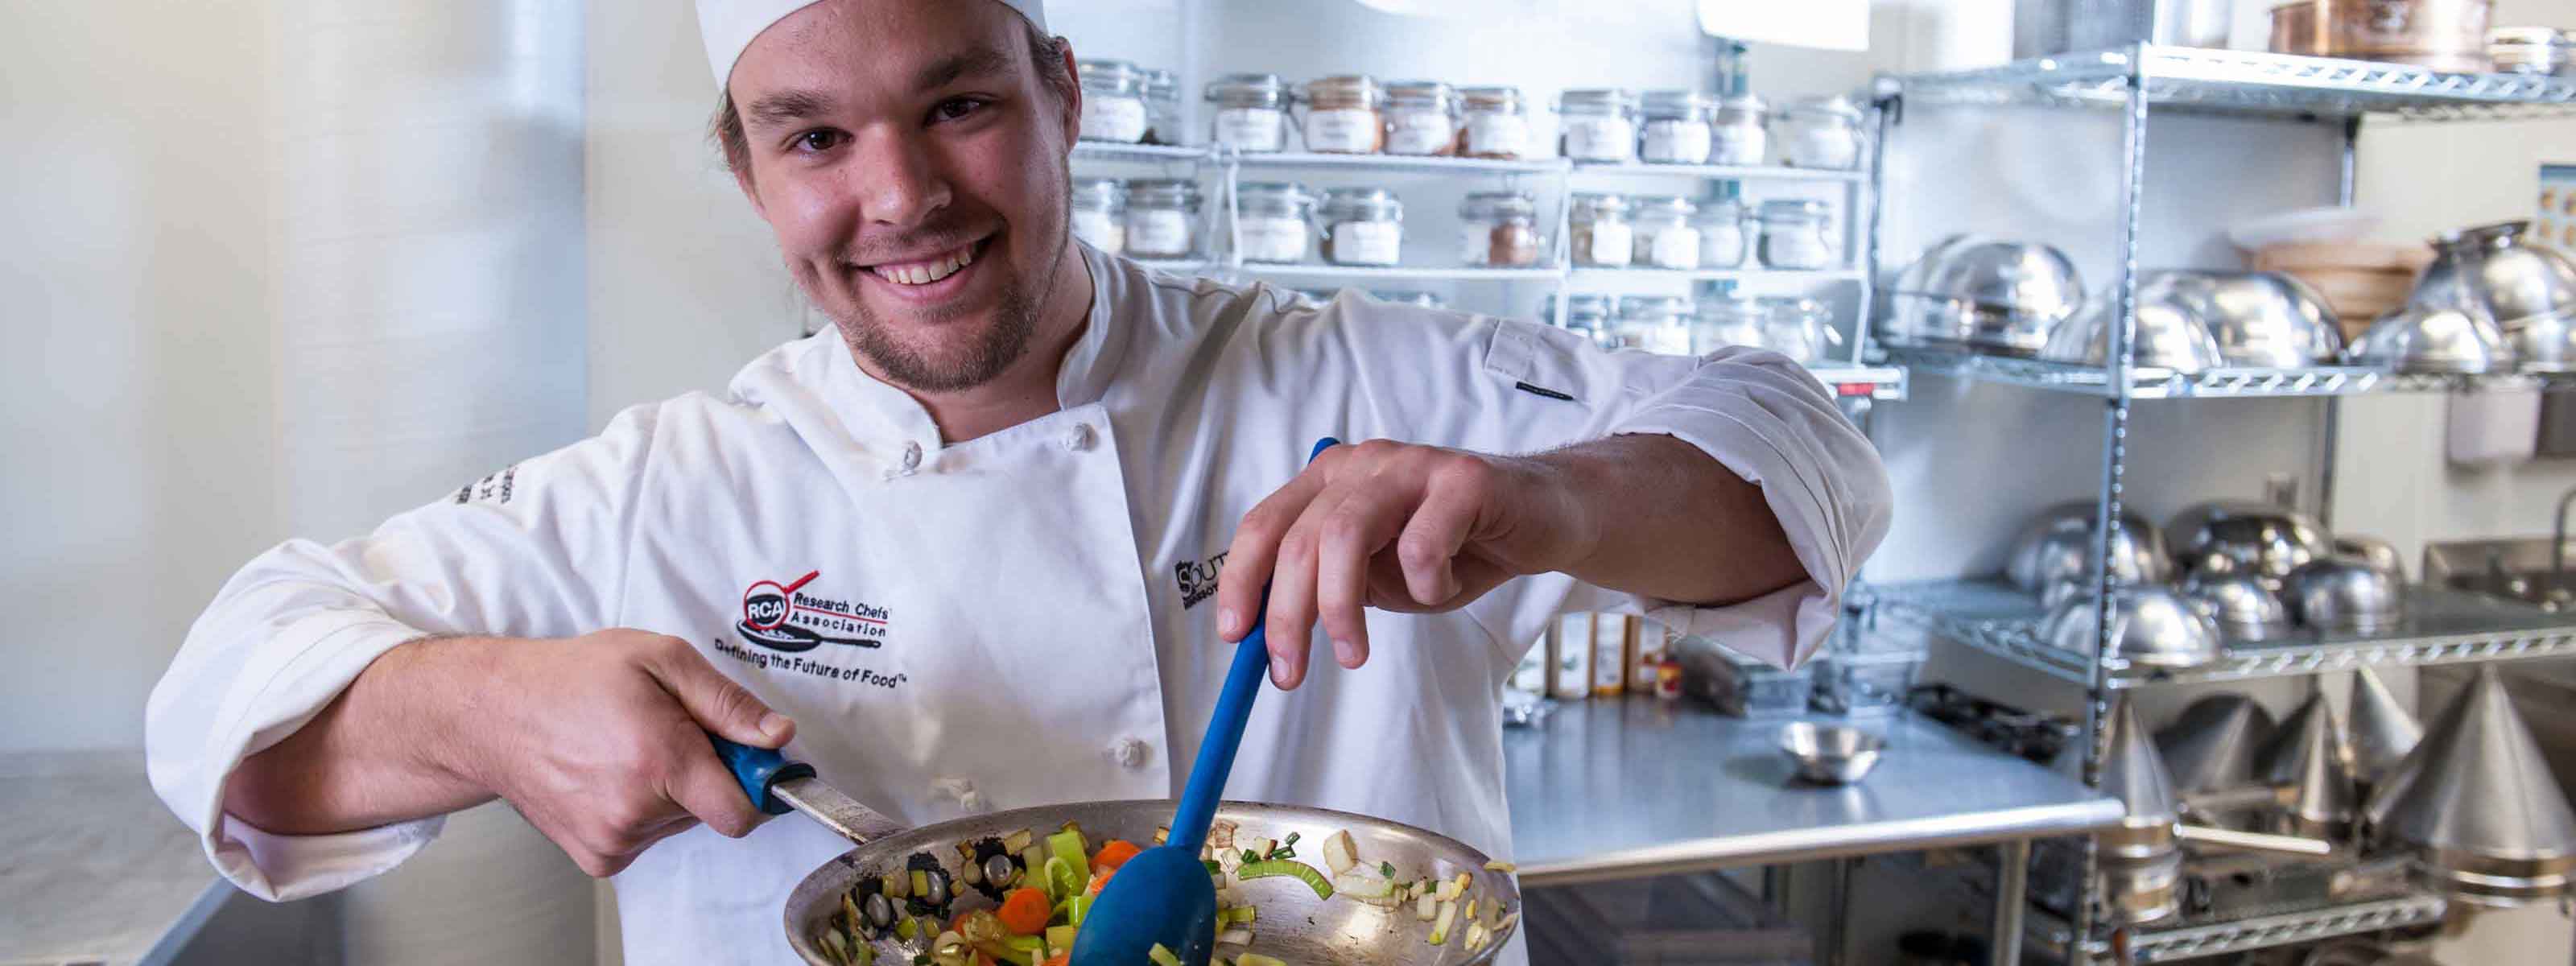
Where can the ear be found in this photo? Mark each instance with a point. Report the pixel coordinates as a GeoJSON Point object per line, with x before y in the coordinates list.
{"type": "Point", "coordinates": [750, 192]}
{"type": "Point", "coordinates": [1072, 119]}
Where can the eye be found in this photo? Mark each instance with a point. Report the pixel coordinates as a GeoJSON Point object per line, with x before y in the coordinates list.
{"type": "Point", "coordinates": [955, 108]}
{"type": "Point", "coordinates": [818, 140]}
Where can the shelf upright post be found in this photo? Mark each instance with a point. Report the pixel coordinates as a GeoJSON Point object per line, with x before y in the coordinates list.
{"type": "Point", "coordinates": [2333, 431]}
{"type": "Point", "coordinates": [1883, 113]}
{"type": "Point", "coordinates": [1562, 246]}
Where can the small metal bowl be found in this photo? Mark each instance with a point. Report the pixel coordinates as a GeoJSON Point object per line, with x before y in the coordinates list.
{"type": "Point", "coordinates": [2244, 606]}
{"type": "Point", "coordinates": [2168, 337]}
{"type": "Point", "coordinates": [2151, 626]}
{"type": "Point", "coordinates": [1831, 754]}
{"type": "Point", "coordinates": [2225, 537]}
{"type": "Point", "coordinates": [2420, 338]}
{"type": "Point", "coordinates": [2345, 595]}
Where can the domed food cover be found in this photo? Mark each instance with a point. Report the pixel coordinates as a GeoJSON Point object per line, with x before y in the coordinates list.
{"type": "Point", "coordinates": [1990, 294]}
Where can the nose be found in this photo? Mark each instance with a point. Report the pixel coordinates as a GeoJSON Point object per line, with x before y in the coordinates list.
{"type": "Point", "coordinates": [897, 179]}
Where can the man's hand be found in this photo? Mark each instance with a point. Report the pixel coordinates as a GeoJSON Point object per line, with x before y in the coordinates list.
{"type": "Point", "coordinates": [599, 740]}
{"type": "Point", "coordinates": [1398, 527]}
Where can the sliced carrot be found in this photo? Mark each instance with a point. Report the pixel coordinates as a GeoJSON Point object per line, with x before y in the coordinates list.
{"type": "Point", "coordinates": [1098, 880]}
{"type": "Point", "coordinates": [1060, 959]}
{"type": "Point", "coordinates": [1024, 912]}
{"type": "Point", "coordinates": [1114, 854]}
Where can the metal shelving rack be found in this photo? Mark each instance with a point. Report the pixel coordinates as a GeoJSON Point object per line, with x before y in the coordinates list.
{"type": "Point", "coordinates": [1851, 377]}
{"type": "Point", "coordinates": [2136, 80]}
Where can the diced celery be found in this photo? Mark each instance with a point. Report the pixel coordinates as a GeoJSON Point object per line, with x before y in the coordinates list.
{"type": "Point", "coordinates": [1162, 956]}
{"type": "Point", "coordinates": [1068, 845]}
{"type": "Point", "coordinates": [1059, 937]}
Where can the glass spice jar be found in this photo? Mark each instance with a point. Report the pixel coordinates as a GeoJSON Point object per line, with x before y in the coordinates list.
{"type": "Point", "coordinates": [1655, 323]}
{"type": "Point", "coordinates": [1821, 133]}
{"type": "Point", "coordinates": [1597, 124]}
{"type": "Point", "coordinates": [1724, 235]}
{"type": "Point", "coordinates": [1100, 214]}
{"type": "Point", "coordinates": [1273, 221]}
{"type": "Point", "coordinates": [1421, 118]}
{"type": "Point", "coordinates": [1251, 112]}
{"type": "Point", "coordinates": [1162, 107]}
{"type": "Point", "coordinates": [1496, 125]}
{"type": "Point", "coordinates": [1113, 101]}
{"type": "Point", "coordinates": [1345, 115]}
{"type": "Point", "coordinates": [1162, 217]}
{"type": "Point", "coordinates": [1677, 127]}
{"type": "Point", "coordinates": [1498, 229]}
{"type": "Point", "coordinates": [1597, 231]}
{"type": "Point", "coordinates": [1587, 314]}
{"type": "Point", "coordinates": [1664, 235]}
{"type": "Point", "coordinates": [1362, 226]}
{"type": "Point", "coordinates": [1733, 319]}
{"type": "Point", "coordinates": [1799, 328]}
{"type": "Point", "coordinates": [1740, 137]}
{"type": "Point", "coordinates": [1793, 235]}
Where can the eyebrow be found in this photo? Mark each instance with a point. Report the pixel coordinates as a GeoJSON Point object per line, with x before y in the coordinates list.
{"type": "Point", "coordinates": [972, 63]}
{"type": "Point", "coordinates": [780, 107]}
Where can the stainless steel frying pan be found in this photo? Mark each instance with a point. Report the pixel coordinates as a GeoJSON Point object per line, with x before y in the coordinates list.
{"type": "Point", "coordinates": [1293, 925]}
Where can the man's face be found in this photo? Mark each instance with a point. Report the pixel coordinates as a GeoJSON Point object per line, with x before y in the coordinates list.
{"type": "Point", "coordinates": [912, 162]}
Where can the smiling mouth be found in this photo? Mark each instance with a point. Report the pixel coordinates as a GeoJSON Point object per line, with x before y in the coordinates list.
{"type": "Point", "coordinates": [927, 270]}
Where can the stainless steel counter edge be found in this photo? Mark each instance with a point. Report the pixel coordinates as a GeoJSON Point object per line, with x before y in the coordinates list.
{"type": "Point", "coordinates": [1807, 845]}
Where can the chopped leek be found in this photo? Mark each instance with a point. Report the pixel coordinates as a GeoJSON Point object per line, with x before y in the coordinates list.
{"type": "Point", "coordinates": [1304, 873]}
{"type": "Point", "coordinates": [1068, 845]}
{"type": "Point", "coordinates": [1340, 853]}
{"type": "Point", "coordinates": [1059, 937]}
{"type": "Point", "coordinates": [1257, 959]}
{"type": "Point", "coordinates": [1162, 956]}
{"type": "Point", "coordinates": [1440, 924]}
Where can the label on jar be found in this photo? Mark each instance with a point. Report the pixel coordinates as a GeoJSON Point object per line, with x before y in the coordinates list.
{"type": "Point", "coordinates": [1101, 230]}
{"type": "Point", "coordinates": [1367, 242]}
{"type": "Point", "coordinates": [1721, 246]}
{"type": "Point", "coordinates": [1158, 233]}
{"type": "Point", "coordinates": [1822, 148]}
{"type": "Point", "coordinates": [1653, 642]}
{"type": "Point", "coordinates": [1594, 138]}
{"type": "Point", "coordinates": [1739, 146]}
{"type": "Point", "coordinates": [1252, 128]}
{"type": "Point", "coordinates": [1675, 247]}
{"type": "Point", "coordinates": [1269, 238]}
{"type": "Point", "coordinates": [1120, 119]}
{"type": "Point", "coordinates": [1610, 642]}
{"type": "Point", "coordinates": [1348, 131]}
{"type": "Point", "coordinates": [1475, 244]}
{"type": "Point", "coordinates": [1571, 678]}
{"type": "Point", "coordinates": [1497, 134]}
{"type": "Point", "coordinates": [1530, 676]}
{"type": "Point", "coordinates": [1420, 132]}
{"type": "Point", "coordinates": [1611, 243]}
{"type": "Point", "coordinates": [1675, 141]}
{"type": "Point", "coordinates": [1795, 248]}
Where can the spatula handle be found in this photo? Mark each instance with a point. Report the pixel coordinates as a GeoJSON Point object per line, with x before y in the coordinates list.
{"type": "Point", "coordinates": [758, 768]}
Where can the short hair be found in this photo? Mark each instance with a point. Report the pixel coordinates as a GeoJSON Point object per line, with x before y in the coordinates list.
{"type": "Point", "coordinates": [1046, 52]}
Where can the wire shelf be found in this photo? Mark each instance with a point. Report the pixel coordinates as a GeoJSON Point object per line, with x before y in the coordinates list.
{"type": "Point", "coordinates": [2247, 82]}
{"type": "Point", "coordinates": [2147, 382]}
{"type": "Point", "coordinates": [1633, 276]}
{"type": "Point", "coordinates": [1398, 162]}
{"type": "Point", "coordinates": [2441, 627]}
{"type": "Point", "coordinates": [2191, 940]}
{"type": "Point", "coordinates": [1140, 153]}
{"type": "Point", "coordinates": [1716, 172]}
{"type": "Point", "coordinates": [1462, 274]}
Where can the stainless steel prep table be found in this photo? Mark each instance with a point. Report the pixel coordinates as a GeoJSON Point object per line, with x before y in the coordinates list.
{"type": "Point", "coordinates": [92, 867]}
{"type": "Point", "coordinates": [1621, 788]}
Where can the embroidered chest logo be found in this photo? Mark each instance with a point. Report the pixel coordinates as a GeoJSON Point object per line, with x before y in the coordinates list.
{"type": "Point", "coordinates": [1197, 578]}
{"type": "Point", "coordinates": [490, 489]}
{"type": "Point", "coordinates": [784, 621]}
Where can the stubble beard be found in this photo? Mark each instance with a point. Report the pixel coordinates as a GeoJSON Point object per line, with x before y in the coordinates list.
{"type": "Point", "coordinates": [1015, 325]}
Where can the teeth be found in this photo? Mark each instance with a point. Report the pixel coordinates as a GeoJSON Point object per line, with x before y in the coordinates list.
{"type": "Point", "coordinates": [924, 273]}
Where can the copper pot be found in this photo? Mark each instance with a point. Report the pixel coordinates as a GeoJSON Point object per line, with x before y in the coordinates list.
{"type": "Point", "coordinates": [2449, 35]}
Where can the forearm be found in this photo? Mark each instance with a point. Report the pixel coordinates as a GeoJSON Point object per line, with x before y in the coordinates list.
{"type": "Point", "coordinates": [1668, 521]}
{"type": "Point", "coordinates": [386, 750]}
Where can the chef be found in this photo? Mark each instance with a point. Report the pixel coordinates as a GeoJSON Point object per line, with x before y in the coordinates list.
{"type": "Point", "coordinates": [982, 545]}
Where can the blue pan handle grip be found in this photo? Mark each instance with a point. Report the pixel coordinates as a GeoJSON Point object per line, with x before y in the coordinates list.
{"type": "Point", "coordinates": [757, 769]}
{"type": "Point", "coordinates": [1225, 728]}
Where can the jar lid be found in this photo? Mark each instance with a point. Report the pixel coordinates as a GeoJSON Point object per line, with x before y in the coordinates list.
{"type": "Point", "coordinates": [1345, 89]}
{"type": "Point", "coordinates": [1748, 103]}
{"type": "Point", "coordinates": [1596, 100]}
{"type": "Point", "coordinates": [1162, 193]}
{"type": "Point", "coordinates": [1663, 205]}
{"type": "Point", "coordinates": [1837, 106]}
{"type": "Point", "coordinates": [1721, 209]}
{"type": "Point", "coordinates": [1421, 93]}
{"type": "Point", "coordinates": [1498, 204]}
{"type": "Point", "coordinates": [1363, 203]}
{"type": "Point", "coordinates": [1106, 191]}
{"type": "Point", "coordinates": [1737, 304]}
{"type": "Point", "coordinates": [1793, 208]}
{"type": "Point", "coordinates": [1426, 300]}
{"type": "Point", "coordinates": [1653, 306]}
{"type": "Point", "coordinates": [1284, 191]}
{"type": "Point", "coordinates": [1110, 76]}
{"type": "Point", "coordinates": [1600, 203]}
{"type": "Point", "coordinates": [1676, 103]}
{"type": "Point", "coordinates": [1248, 90]}
{"type": "Point", "coordinates": [1162, 84]}
{"type": "Point", "coordinates": [1589, 307]}
{"type": "Point", "coordinates": [1505, 99]}
{"type": "Point", "coordinates": [2515, 36]}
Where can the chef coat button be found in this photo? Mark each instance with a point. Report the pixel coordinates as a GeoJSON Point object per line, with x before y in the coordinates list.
{"type": "Point", "coordinates": [1079, 439]}
{"type": "Point", "coordinates": [911, 457]}
{"type": "Point", "coordinates": [1131, 753]}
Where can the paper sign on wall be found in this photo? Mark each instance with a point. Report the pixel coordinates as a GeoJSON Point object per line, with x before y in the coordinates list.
{"type": "Point", "coordinates": [1824, 24]}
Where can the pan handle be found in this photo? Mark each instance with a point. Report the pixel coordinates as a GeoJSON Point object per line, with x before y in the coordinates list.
{"type": "Point", "coordinates": [756, 769]}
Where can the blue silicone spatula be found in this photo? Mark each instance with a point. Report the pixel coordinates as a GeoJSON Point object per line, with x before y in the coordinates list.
{"type": "Point", "coordinates": [1164, 895]}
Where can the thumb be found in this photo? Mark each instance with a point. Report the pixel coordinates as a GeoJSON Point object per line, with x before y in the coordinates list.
{"type": "Point", "coordinates": [719, 704]}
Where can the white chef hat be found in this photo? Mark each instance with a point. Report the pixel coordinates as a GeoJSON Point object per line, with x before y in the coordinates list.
{"type": "Point", "coordinates": [728, 26]}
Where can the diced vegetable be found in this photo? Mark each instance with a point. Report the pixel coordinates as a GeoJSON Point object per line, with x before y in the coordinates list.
{"type": "Point", "coordinates": [1025, 911]}
{"type": "Point", "coordinates": [1290, 867]}
{"type": "Point", "coordinates": [1440, 923]}
{"type": "Point", "coordinates": [1471, 908]}
{"type": "Point", "coordinates": [1453, 888]}
{"type": "Point", "coordinates": [1257, 959]}
{"type": "Point", "coordinates": [897, 884]}
{"type": "Point", "coordinates": [1002, 953]}
{"type": "Point", "coordinates": [1498, 865]}
{"type": "Point", "coordinates": [1060, 938]}
{"type": "Point", "coordinates": [1061, 878]}
{"type": "Point", "coordinates": [1340, 853]}
{"type": "Point", "coordinates": [1162, 956]}
{"type": "Point", "coordinates": [920, 884]}
{"type": "Point", "coordinates": [1068, 845]}
{"type": "Point", "coordinates": [1234, 937]}
{"type": "Point", "coordinates": [1475, 936]}
{"type": "Point", "coordinates": [1365, 886]}
{"type": "Point", "coordinates": [1221, 835]}
{"type": "Point", "coordinates": [1386, 869]}
{"type": "Point", "coordinates": [906, 929]}
{"type": "Point", "coordinates": [1115, 854]}
{"type": "Point", "coordinates": [1081, 906]}
{"type": "Point", "coordinates": [1425, 907]}
{"type": "Point", "coordinates": [1017, 842]}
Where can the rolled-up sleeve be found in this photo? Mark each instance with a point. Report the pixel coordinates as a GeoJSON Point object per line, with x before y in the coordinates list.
{"type": "Point", "coordinates": [536, 550]}
{"type": "Point", "coordinates": [1514, 386]}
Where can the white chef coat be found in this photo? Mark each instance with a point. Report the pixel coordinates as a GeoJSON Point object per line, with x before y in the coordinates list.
{"type": "Point", "coordinates": [1015, 620]}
